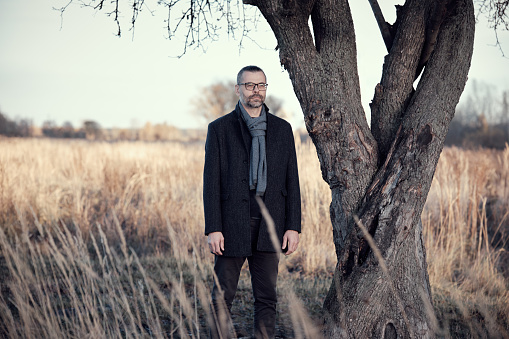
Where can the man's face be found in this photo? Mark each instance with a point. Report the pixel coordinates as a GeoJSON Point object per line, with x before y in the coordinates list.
{"type": "Point", "coordinates": [254, 98]}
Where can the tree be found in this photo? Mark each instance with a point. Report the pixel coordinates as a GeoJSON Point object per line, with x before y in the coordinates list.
{"type": "Point", "coordinates": [24, 128]}
{"type": "Point", "coordinates": [379, 176]}
{"type": "Point", "coordinates": [214, 101]}
{"type": "Point", "coordinates": [19, 128]}
{"type": "Point", "coordinates": [7, 127]}
{"type": "Point", "coordinates": [218, 99]}
{"type": "Point", "coordinates": [67, 130]}
{"type": "Point", "coordinates": [92, 130]}
{"type": "Point", "coordinates": [48, 128]}
{"type": "Point", "coordinates": [481, 120]}
{"type": "Point", "coordinates": [480, 100]}
{"type": "Point", "coordinates": [505, 113]}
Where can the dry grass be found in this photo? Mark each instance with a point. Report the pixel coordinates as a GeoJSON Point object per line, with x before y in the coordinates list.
{"type": "Point", "coordinates": [106, 240]}
{"type": "Point", "coordinates": [466, 229]}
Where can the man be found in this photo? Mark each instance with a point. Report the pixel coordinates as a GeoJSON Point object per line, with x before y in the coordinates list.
{"type": "Point", "coordinates": [249, 152]}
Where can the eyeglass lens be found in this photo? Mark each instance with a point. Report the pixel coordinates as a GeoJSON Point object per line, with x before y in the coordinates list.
{"type": "Point", "coordinates": [251, 86]}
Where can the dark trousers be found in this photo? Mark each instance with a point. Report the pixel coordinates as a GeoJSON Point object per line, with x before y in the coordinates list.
{"type": "Point", "coordinates": [263, 267]}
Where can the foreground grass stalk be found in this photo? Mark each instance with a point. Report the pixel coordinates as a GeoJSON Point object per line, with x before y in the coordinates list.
{"type": "Point", "coordinates": [105, 240]}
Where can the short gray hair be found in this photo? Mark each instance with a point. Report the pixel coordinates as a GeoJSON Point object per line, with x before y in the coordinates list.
{"type": "Point", "coordinates": [249, 69]}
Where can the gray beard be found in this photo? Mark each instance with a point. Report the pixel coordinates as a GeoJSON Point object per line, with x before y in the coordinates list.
{"type": "Point", "coordinates": [253, 105]}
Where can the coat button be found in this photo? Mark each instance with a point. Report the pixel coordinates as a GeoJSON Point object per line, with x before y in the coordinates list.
{"type": "Point", "coordinates": [245, 161]}
{"type": "Point", "coordinates": [244, 181]}
{"type": "Point", "coordinates": [244, 200]}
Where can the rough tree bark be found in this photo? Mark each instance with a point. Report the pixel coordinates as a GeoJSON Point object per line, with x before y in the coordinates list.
{"type": "Point", "coordinates": [381, 174]}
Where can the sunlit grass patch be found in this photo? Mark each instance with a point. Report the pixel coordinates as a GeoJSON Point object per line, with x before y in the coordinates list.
{"type": "Point", "coordinates": [106, 240]}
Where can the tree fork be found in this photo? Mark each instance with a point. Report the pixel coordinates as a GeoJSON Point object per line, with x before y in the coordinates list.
{"type": "Point", "coordinates": [392, 206]}
{"type": "Point", "coordinates": [387, 190]}
{"type": "Point", "coordinates": [380, 173]}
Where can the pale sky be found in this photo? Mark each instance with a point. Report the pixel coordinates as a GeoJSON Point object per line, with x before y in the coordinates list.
{"type": "Point", "coordinates": [82, 71]}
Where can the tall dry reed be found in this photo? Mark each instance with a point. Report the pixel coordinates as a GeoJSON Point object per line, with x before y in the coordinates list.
{"type": "Point", "coordinates": [466, 231]}
{"type": "Point", "coordinates": [75, 216]}
{"type": "Point", "coordinates": [106, 239]}
{"type": "Point", "coordinates": [145, 185]}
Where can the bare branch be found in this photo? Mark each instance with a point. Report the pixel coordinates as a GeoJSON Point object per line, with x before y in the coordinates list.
{"type": "Point", "coordinates": [195, 22]}
{"type": "Point", "coordinates": [382, 24]}
{"type": "Point", "coordinates": [249, 2]}
{"type": "Point", "coordinates": [137, 4]}
{"type": "Point", "coordinates": [496, 11]}
{"type": "Point", "coordinates": [203, 20]}
{"type": "Point", "coordinates": [99, 5]}
{"type": "Point", "coordinates": [432, 30]}
{"type": "Point", "coordinates": [116, 16]}
{"type": "Point", "coordinates": [62, 10]}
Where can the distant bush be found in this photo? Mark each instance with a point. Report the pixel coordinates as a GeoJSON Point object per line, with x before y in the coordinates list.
{"type": "Point", "coordinates": [91, 130]}
{"type": "Point", "coordinates": [477, 134]}
{"type": "Point", "coordinates": [10, 128]}
{"type": "Point", "coordinates": [481, 120]}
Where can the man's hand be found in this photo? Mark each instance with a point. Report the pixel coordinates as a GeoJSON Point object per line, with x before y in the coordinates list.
{"type": "Point", "coordinates": [290, 240]}
{"type": "Point", "coordinates": [216, 242]}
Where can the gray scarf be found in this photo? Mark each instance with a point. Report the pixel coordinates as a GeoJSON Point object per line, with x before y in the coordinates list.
{"type": "Point", "coordinates": [258, 167]}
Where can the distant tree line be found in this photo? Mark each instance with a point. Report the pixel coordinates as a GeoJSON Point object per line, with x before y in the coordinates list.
{"type": "Point", "coordinates": [482, 120]}
{"type": "Point", "coordinates": [91, 130]}
{"type": "Point", "coordinates": [11, 128]}
{"type": "Point", "coordinates": [214, 101]}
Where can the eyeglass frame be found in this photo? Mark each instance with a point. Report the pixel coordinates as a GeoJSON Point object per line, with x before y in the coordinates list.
{"type": "Point", "coordinates": [263, 84]}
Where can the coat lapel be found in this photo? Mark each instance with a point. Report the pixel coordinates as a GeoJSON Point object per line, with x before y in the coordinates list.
{"type": "Point", "coordinates": [271, 146]}
{"type": "Point", "coordinates": [246, 136]}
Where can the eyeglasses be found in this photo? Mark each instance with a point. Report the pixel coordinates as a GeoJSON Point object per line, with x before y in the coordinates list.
{"type": "Point", "coordinates": [251, 86]}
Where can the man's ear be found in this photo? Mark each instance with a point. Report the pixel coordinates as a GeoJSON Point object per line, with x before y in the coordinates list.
{"type": "Point", "coordinates": [237, 90]}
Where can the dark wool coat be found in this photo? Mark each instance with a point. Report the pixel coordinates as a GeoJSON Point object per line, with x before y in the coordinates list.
{"type": "Point", "coordinates": [226, 182]}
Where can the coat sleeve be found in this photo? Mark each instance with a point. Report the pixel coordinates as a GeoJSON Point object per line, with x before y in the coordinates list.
{"type": "Point", "coordinates": [212, 184]}
{"type": "Point", "coordinates": [293, 203]}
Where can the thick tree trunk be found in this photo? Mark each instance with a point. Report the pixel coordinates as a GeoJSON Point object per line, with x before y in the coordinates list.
{"type": "Point", "coordinates": [381, 175]}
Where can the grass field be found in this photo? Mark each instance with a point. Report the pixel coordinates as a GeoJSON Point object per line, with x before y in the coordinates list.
{"type": "Point", "coordinates": [104, 240]}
